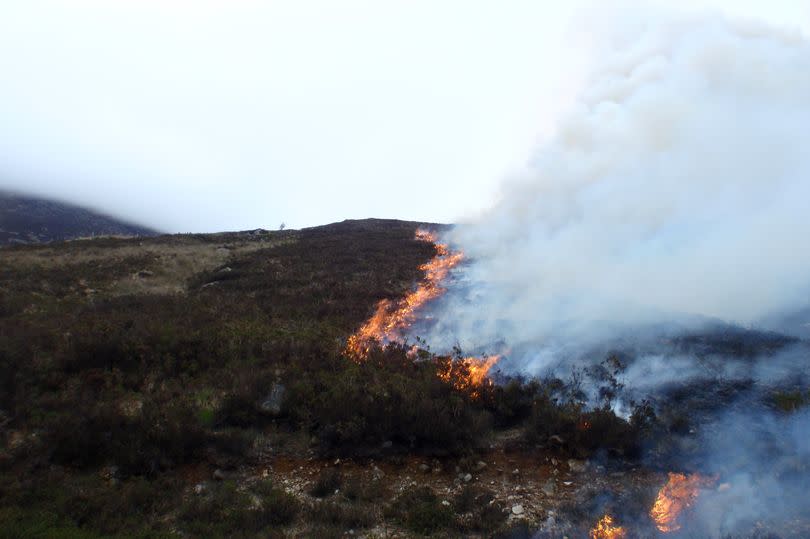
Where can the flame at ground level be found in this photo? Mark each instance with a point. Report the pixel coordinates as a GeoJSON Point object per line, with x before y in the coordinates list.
{"type": "Point", "coordinates": [473, 374]}
{"type": "Point", "coordinates": [391, 319]}
{"type": "Point", "coordinates": [606, 529]}
{"type": "Point", "coordinates": [680, 492]}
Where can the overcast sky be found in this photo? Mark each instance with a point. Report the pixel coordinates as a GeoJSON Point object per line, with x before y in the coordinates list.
{"type": "Point", "coordinates": [220, 115]}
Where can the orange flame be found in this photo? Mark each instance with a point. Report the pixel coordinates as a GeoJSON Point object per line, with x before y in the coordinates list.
{"type": "Point", "coordinates": [679, 493]}
{"type": "Point", "coordinates": [392, 318]}
{"type": "Point", "coordinates": [473, 376]}
{"type": "Point", "coordinates": [606, 529]}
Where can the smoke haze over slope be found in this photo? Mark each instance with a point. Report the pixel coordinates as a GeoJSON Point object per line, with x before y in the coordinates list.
{"type": "Point", "coordinates": [675, 191]}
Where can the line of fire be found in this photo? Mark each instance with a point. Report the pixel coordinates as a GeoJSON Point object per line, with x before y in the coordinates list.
{"type": "Point", "coordinates": [390, 324]}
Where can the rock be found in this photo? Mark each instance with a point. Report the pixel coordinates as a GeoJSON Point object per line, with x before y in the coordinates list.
{"type": "Point", "coordinates": [219, 475]}
{"type": "Point", "coordinates": [424, 468]}
{"type": "Point", "coordinates": [480, 465]}
{"type": "Point", "coordinates": [515, 471]}
{"type": "Point", "coordinates": [467, 478]}
{"type": "Point", "coordinates": [577, 466]}
{"type": "Point", "coordinates": [445, 503]}
{"type": "Point", "coordinates": [517, 509]}
{"type": "Point", "coordinates": [200, 488]}
{"type": "Point", "coordinates": [556, 438]}
{"type": "Point", "coordinates": [145, 273]}
{"type": "Point", "coordinates": [549, 488]}
{"type": "Point", "coordinates": [387, 444]}
{"type": "Point", "coordinates": [271, 404]}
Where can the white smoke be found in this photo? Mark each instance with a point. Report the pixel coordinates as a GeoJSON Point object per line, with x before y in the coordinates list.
{"type": "Point", "coordinates": [676, 190]}
{"type": "Point", "coordinates": [673, 199]}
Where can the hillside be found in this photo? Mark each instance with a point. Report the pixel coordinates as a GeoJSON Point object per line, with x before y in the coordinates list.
{"type": "Point", "coordinates": [199, 386]}
{"type": "Point", "coordinates": [25, 219]}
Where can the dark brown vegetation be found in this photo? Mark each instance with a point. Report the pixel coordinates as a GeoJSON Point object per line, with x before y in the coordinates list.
{"type": "Point", "coordinates": [114, 398]}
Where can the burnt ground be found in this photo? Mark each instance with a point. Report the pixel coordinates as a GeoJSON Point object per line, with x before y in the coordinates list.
{"type": "Point", "coordinates": [196, 386]}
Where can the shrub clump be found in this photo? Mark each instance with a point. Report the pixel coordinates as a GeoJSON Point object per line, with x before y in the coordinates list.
{"type": "Point", "coordinates": [327, 483]}
{"type": "Point", "coordinates": [421, 511]}
{"type": "Point", "coordinates": [225, 510]}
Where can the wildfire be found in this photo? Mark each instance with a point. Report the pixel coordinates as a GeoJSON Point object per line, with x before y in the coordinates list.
{"type": "Point", "coordinates": [680, 492]}
{"type": "Point", "coordinates": [473, 374]}
{"type": "Point", "coordinates": [606, 529]}
{"type": "Point", "coordinates": [392, 318]}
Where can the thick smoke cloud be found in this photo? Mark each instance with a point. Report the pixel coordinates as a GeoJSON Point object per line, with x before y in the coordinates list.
{"type": "Point", "coordinates": [667, 220]}
{"type": "Point", "coordinates": [674, 193]}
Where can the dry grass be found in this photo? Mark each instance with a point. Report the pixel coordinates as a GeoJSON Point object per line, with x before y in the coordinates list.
{"type": "Point", "coordinates": [166, 263]}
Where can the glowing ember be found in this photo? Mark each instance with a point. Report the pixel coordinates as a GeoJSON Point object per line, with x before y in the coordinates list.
{"type": "Point", "coordinates": [392, 318]}
{"type": "Point", "coordinates": [680, 492]}
{"type": "Point", "coordinates": [606, 529]}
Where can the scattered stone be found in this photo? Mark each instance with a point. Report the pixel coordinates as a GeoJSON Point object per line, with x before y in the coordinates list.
{"type": "Point", "coordinates": [549, 488]}
{"type": "Point", "coordinates": [480, 465]}
{"type": "Point", "coordinates": [424, 468]}
{"type": "Point", "coordinates": [467, 478]}
{"type": "Point", "coordinates": [515, 471]}
{"type": "Point", "coordinates": [143, 274]}
{"type": "Point", "coordinates": [200, 488]}
{"type": "Point", "coordinates": [445, 503]}
{"type": "Point", "coordinates": [387, 444]}
{"type": "Point", "coordinates": [556, 438]}
{"type": "Point", "coordinates": [219, 475]}
{"type": "Point", "coordinates": [517, 509]}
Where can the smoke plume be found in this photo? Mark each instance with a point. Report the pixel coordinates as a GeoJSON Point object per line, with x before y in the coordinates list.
{"type": "Point", "coordinates": [667, 220]}
{"type": "Point", "coordinates": [674, 194]}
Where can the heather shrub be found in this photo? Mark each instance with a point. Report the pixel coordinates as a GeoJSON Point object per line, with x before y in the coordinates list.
{"type": "Point", "coordinates": [420, 511]}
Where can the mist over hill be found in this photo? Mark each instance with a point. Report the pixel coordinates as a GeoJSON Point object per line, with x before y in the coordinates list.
{"type": "Point", "coordinates": [29, 219]}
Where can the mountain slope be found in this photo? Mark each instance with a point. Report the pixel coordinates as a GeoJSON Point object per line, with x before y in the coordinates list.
{"type": "Point", "coordinates": [26, 219]}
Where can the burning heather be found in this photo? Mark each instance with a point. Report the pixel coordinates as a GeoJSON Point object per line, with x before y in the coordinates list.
{"type": "Point", "coordinates": [473, 373]}
{"type": "Point", "coordinates": [392, 319]}
{"type": "Point", "coordinates": [607, 529]}
{"type": "Point", "coordinates": [659, 228]}
{"type": "Point", "coordinates": [680, 493]}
